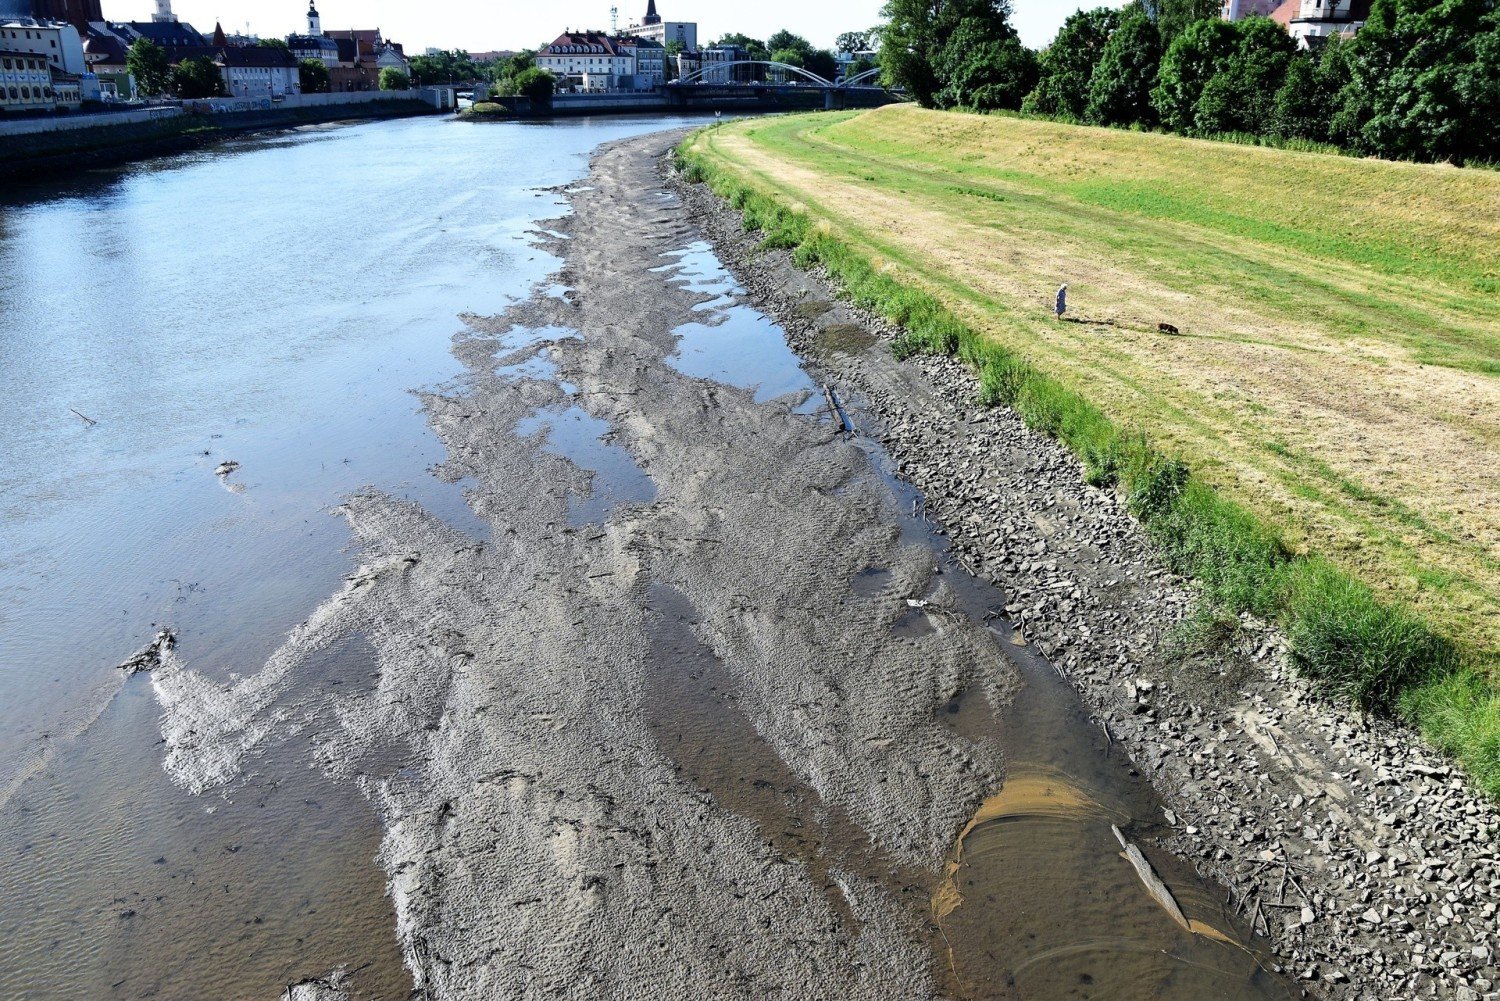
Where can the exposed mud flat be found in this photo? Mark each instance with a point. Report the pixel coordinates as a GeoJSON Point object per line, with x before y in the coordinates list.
{"type": "Point", "coordinates": [1365, 858]}
{"type": "Point", "coordinates": [707, 712]}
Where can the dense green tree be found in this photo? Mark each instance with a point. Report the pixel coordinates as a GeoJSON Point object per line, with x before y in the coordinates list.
{"type": "Point", "coordinates": [535, 83]}
{"type": "Point", "coordinates": [1418, 61]}
{"type": "Point", "coordinates": [196, 78]}
{"type": "Point", "coordinates": [148, 63]}
{"type": "Point", "coordinates": [1203, 51]}
{"type": "Point", "coordinates": [276, 43]}
{"type": "Point", "coordinates": [789, 56]}
{"type": "Point", "coordinates": [784, 40]}
{"type": "Point", "coordinates": [393, 79]}
{"type": "Point", "coordinates": [983, 73]}
{"type": "Point", "coordinates": [508, 69]}
{"type": "Point", "coordinates": [1173, 17]}
{"type": "Point", "coordinates": [917, 31]}
{"type": "Point", "coordinates": [1067, 66]}
{"type": "Point", "coordinates": [1300, 109]}
{"type": "Point", "coordinates": [853, 41]}
{"type": "Point", "coordinates": [443, 67]}
{"type": "Point", "coordinates": [1241, 96]}
{"type": "Point", "coordinates": [822, 62]}
{"type": "Point", "coordinates": [313, 75]}
{"type": "Point", "coordinates": [675, 48]}
{"type": "Point", "coordinates": [1120, 89]}
{"type": "Point", "coordinates": [1478, 88]}
{"type": "Point", "coordinates": [754, 46]}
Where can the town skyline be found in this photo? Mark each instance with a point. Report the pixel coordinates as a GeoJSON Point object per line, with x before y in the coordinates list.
{"type": "Point", "coordinates": [484, 28]}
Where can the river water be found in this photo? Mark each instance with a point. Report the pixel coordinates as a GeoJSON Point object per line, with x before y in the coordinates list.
{"type": "Point", "coordinates": [272, 302]}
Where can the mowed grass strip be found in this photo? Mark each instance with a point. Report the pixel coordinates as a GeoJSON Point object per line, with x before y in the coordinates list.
{"type": "Point", "coordinates": [1317, 445]}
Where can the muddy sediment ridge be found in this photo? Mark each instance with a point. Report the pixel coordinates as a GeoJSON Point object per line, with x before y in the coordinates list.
{"type": "Point", "coordinates": [707, 712]}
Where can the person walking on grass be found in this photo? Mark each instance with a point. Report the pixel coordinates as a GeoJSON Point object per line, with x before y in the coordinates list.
{"type": "Point", "coordinates": [1062, 300]}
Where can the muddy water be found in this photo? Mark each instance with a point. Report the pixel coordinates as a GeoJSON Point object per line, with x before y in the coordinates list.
{"type": "Point", "coordinates": [272, 301]}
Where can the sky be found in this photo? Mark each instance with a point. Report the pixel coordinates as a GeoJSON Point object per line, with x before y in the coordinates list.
{"type": "Point", "coordinates": [486, 25]}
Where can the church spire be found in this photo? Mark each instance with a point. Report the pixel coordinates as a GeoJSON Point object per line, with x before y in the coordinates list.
{"type": "Point", "coordinates": [314, 22]}
{"type": "Point", "coordinates": [652, 17]}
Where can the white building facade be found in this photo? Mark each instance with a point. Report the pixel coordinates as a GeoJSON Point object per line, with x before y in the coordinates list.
{"type": "Point", "coordinates": [259, 71]}
{"type": "Point", "coordinates": [589, 61]}
{"type": "Point", "coordinates": [59, 43]}
{"type": "Point", "coordinates": [25, 81]}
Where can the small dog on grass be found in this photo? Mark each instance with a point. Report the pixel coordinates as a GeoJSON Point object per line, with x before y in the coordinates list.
{"type": "Point", "coordinates": [1167, 328]}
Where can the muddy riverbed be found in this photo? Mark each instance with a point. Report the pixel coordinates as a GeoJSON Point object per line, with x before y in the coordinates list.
{"type": "Point", "coordinates": [709, 712]}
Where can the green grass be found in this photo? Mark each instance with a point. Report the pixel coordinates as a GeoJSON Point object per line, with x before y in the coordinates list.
{"type": "Point", "coordinates": [1360, 645]}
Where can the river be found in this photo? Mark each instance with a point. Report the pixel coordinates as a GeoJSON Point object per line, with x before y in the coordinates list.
{"type": "Point", "coordinates": [271, 301]}
{"type": "Point", "coordinates": [537, 633]}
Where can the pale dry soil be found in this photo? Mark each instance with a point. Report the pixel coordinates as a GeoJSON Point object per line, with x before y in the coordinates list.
{"type": "Point", "coordinates": [1302, 384]}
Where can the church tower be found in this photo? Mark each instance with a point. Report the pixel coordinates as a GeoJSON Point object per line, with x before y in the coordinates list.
{"type": "Point", "coordinates": [164, 13]}
{"type": "Point", "coordinates": [652, 17]}
{"type": "Point", "coordinates": [314, 22]}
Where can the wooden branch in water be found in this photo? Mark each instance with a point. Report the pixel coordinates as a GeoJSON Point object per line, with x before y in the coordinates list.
{"type": "Point", "coordinates": [1154, 884]}
{"type": "Point", "coordinates": [837, 410]}
{"type": "Point", "coordinates": [90, 420]}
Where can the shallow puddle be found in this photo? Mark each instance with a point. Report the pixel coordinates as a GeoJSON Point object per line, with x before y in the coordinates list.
{"type": "Point", "coordinates": [580, 438]}
{"type": "Point", "coordinates": [741, 348]}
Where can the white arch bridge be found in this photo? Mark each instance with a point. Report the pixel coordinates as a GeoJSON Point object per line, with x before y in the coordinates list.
{"type": "Point", "coordinates": [716, 81]}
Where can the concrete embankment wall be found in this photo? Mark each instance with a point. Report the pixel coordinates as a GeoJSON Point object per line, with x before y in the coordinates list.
{"type": "Point", "coordinates": [106, 140]}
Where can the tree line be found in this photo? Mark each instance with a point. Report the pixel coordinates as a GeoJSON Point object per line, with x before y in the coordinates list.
{"type": "Point", "coordinates": [1420, 81]}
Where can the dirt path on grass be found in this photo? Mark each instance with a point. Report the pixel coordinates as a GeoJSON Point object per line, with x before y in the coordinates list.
{"type": "Point", "coordinates": [1365, 858]}
{"type": "Point", "coordinates": [1310, 389]}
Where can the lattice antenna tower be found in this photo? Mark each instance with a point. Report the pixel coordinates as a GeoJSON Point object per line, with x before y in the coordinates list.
{"type": "Point", "coordinates": [614, 20]}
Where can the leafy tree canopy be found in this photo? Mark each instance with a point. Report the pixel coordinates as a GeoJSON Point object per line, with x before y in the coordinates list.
{"type": "Point", "coordinates": [1173, 17]}
{"type": "Point", "coordinates": [916, 32]}
{"type": "Point", "coordinates": [276, 43]}
{"type": "Point", "coordinates": [1120, 88]}
{"type": "Point", "coordinates": [197, 78]}
{"type": "Point", "coordinates": [1204, 50]}
{"type": "Point", "coordinates": [535, 83]}
{"type": "Point", "coordinates": [393, 79]}
{"type": "Point", "coordinates": [147, 62]}
{"type": "Point", "coordinates": [313, 75]}
{"type": "Point", "coordinates": [508, 69]}
{"type": "Point", "coordinates": [444, 67]}
{"type": "Point", "coordinates": [982, 72]}
{"type": "Point", "coordinates": [853, 41]}
{"type": "Point", "coordinates": [1067, 67]}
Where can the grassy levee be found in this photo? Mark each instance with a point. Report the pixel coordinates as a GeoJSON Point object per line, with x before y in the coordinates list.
{"type": "Point", "coordinates": [1317, 445]}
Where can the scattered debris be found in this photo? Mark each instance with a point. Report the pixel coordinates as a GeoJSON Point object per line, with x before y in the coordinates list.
{"type": "Point", "coordinates": [225, 468]}
{"type": "Point", "coordinates": [150, 658]}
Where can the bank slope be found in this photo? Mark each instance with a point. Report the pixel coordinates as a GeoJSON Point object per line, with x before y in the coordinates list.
{"type": "Point", "coordinates": [1334, 385]}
